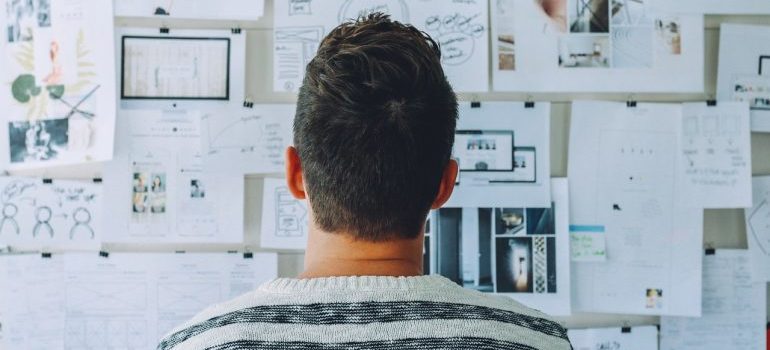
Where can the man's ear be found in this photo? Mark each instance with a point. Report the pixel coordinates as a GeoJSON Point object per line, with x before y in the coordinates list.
{"type": "Point", "coordinates": [447, 185]}
{"type": "Point", "coordinates": [294, 174]}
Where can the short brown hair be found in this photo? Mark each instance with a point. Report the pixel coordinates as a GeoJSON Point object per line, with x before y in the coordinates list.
{"type": "Point", "coordinates": [374, 128]}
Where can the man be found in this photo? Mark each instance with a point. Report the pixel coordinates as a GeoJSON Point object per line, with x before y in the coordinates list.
{"type": "Point", "coordinates": [373, 136]}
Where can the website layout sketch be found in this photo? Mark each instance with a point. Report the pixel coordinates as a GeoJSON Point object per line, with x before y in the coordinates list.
{"type": "Point", "coordinates": [175, 68]}
{"type": "Point", "coordinates": [285, 219]}
{"type": "Point", "coordinates": [39, 213]}
{"type": "Point", "coordinates": [460, 28]}
{"type": "Point", "coordinates": [249, 10]}
{"type": "Point", "coordinates": [59, 92]}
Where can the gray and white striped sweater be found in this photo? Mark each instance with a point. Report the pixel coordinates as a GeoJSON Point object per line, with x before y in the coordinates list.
{"type": "Point", "coordinates": [350, 313]}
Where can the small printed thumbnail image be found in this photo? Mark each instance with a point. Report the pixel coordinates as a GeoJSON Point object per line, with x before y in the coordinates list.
{"type": "Point", "coordinates": [654, 298]}
{"type": "Point", "coordinates": [506, 52]}
{"type": "Point", "coordinates": [584, 51]}
{"type": "Point", "coordinates": [753, 89]}
{"type": "Point", "coordinates": [668, 36]}
{"type": "Point", "coordinates": [503, 250]}
{"type": "Point", "coordinates": [197, 190]}
{"type": "Point", "coordinates": [148, 192]}
{"type": "Point", "coordinates": [588, 16]}
{"type": "Point", "coordinates": [39, 140]}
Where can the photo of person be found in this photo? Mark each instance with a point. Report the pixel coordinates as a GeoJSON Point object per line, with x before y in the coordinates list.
{"type": "Point", "coordinates": [555, 12]}
{"type": "Point", "coordinates": [654, 298]}
{"type": "Point", "coordinates": [540, 221]}
{"type": "Point", "coordinates": [509, 221]}
{"type": "Point", "coordinates": [514, 265]}
{"type": "Point", "coordinates": [591, 51]}
{"type": "Point", "coordinates": [21, 19]}
{"type": "Point", "coordinates": [669, 36]}
{"type": "Point", "coordinates": [158, 193]}
{"type": "Point", "coordinates": [139, 193]}
{"type": "Point", "coordinates": [196, 189]}
{"type": "Point", "coordinates": [37, 140]}
{"type": "Point", "coordinates": [589, 16]}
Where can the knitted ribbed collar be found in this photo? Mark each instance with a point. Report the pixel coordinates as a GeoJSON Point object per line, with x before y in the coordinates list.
{"type": "Point", "coordinates": [357, 283]}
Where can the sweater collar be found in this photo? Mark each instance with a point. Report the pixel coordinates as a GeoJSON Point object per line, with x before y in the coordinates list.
{"type": "Point", "coordinates": [357, 283]}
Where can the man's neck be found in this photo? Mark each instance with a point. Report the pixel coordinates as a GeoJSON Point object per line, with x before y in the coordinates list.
{"type": "Point", "coordinates": [338, 254]}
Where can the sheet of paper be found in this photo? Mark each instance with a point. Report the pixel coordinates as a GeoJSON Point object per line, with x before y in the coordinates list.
{"type": "Point", "coordinates": [516, 251]}
{"type": "Point", "coordinates": [716, 150]}
{"type": "Point", "coordinates": [182, 69]}
{"type": "Point", "coordinates": [745, 7]}
{"type": "Point", "coordinates": [587, 243]}
{"type": "Point", "coordinates": [247, 140]}
{"type": "Point", "coordinates": [590, 46]}
{"type": "Point", "coordinates": [734, 309]}
{"type": "Point", "coordinates": [284, 218]}
{"type": "Point", "coordinates": [244, 10]}
{"type": "Point", "coordinates": [624, 174]}
{"type": "Point", "coordinates": [124, 301]}
{"type": "Point", "coordinates": [638, 338]}
{"type": "Point", "coordinates": [460, 27]}
{"type": "Point", "coordinates": [156, 188]}
{"type": "Point", "coordinates": [58, 96]}
{"type": "Point", "coordinates": [744, 70]}
{"type": "Point", "coordinates": [57, 214]}
{"type": "Point", "coordinates": [503, 149]}
{"type": "Point", "coordinates": [758, 229]}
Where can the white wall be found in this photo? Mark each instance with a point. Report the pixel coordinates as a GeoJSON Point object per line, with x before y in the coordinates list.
{"type": "Point", "coordinates": [723, 228]}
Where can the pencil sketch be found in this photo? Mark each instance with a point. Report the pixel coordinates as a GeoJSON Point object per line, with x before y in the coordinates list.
{"type": "Point", "coordinates": [293, 48]}
{"type": "Point", "coordinates": [291, 216]}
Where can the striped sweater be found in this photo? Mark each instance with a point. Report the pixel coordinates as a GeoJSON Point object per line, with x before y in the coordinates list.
{"type": "Point", "coordinates": [349, 313]}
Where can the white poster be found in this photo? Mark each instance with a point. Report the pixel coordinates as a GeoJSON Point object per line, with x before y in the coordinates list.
{"type": "Point", "coordinates": [516, 251]}
{"type": "Point", "coordinates": [716, 155]}
{"type": "Point", "coordinates": [157, 190]}
{"type": "Point", "coordinates": [180, 68]}
{"type": "Point", "coordinates": [736, 7]}
{"type": "Point", "coordinates": [744, 70]}
{"type": "Point", "coordinates": [460, 27]}
{"type": "Point", "coordinates": [247, 140]}
{"type": "Point", "coordinates": [734, 309]}
{"type": "Point", "coordinates": [243, 10]}
{"type": "Point", "coordinates": [758, 229]}
{"type": "Point", "coordinates": [123, 301]}
{"type": "Point", "coordinates": [59, 81]}
{"type": "Point", "coordinates": [594, 46]}
{"type": "Point", "coordinates": [636, 338]}
{"type": "Point", "coordinates": [50, 214]}
{"type": "Point", "coordinates": [503, 150]}
{"type": "Point", "coordinates": [624, 174]}
{"type": "Point", "coordinates": [285, 219]}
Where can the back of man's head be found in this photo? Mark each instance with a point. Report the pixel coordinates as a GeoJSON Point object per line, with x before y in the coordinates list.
{"type": "Point", "coordinates": [374, 129]}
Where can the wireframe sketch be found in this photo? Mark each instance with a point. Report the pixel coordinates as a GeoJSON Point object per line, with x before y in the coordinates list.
{"type": "Point", "coordinates": [175, 68]}
{"type": "Point", "coordinates": [457, 34]}
{"type": "Point", "coordinates": [294, 47]}
{"type": "Point", "coordinates": [291, 217]}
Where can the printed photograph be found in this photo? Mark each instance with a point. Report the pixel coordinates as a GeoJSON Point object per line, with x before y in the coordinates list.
{"type": "Point", "coordinates": [555, 12]}
{"type": "Point", "coordinates": [39, 140]}
{"type": "Point", "coordinates": [540, 221]}
{"type": "Point", "coordinates": [506, 56]}
{"type": "Point", "coordinates": [753, 89]}
{"type": "Point", "coordinates": [196, 189]}
{"type": "Point", "coordinates": [464, 256]}
{"type": "Point", "coordinates": [668, 36]}
{"type": "Point", "coordinates": [589, 16]}
{"type": "Point", "coordinates": [43, 13]}
{"type": "Point", "coordinates": [139, 191]}
{"type": "Point", "coordinates": [21, 20]}
{"type": "Point", "coordinates": [509, 221]}
{"type": "Point", "coordinates": [584, 51]}
{"type": "Point", "coordinates": [654, 298]}
{"type": "Point", "coordinates": [158, 193]}
{"type": "Point", "coordinates": [514, 265]}
{"type": "Point", "coordinates": [629, 13]}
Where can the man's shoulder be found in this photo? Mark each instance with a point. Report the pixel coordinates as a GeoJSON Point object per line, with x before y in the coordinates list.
{"type": "Point", "coordinates": [437, 319]}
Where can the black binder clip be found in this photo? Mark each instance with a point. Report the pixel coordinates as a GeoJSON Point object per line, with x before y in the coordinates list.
{"type": "Point", "coordinates": [711, 103]}
{"type": "Point", "coordinates": [475, 104]}
{"type": "Point", "coordinates": [248, 255]}
{"type": "Point", "coordinates": [235, 30]}
{"type": "Point", "coordinates": [104, 254]}
{"type": "Point", "coordinates": [164, 30]}
{"type": "Point", "coordinates": [631, 104]}
{"type": "Point", "coordinates": [45, 255]}
{"type": "Point", "coordinates": [625, 330]}
{"type": "Point", "coordinates": [248, 104]}
{"type": "Point", "coordinates": [711, 251]}
{"type": "Point", "coordinates": [97, 180]}
{"type": "Point", "coordinates": [47, 181]}
{"type": "Point", "coordinates": [529, 104]}
{"type": "Point", "coordinates": [179, 251]}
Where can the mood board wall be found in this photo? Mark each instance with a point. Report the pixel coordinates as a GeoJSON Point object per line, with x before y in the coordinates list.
{"type": "Point", "coordinates": [722, 228]}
